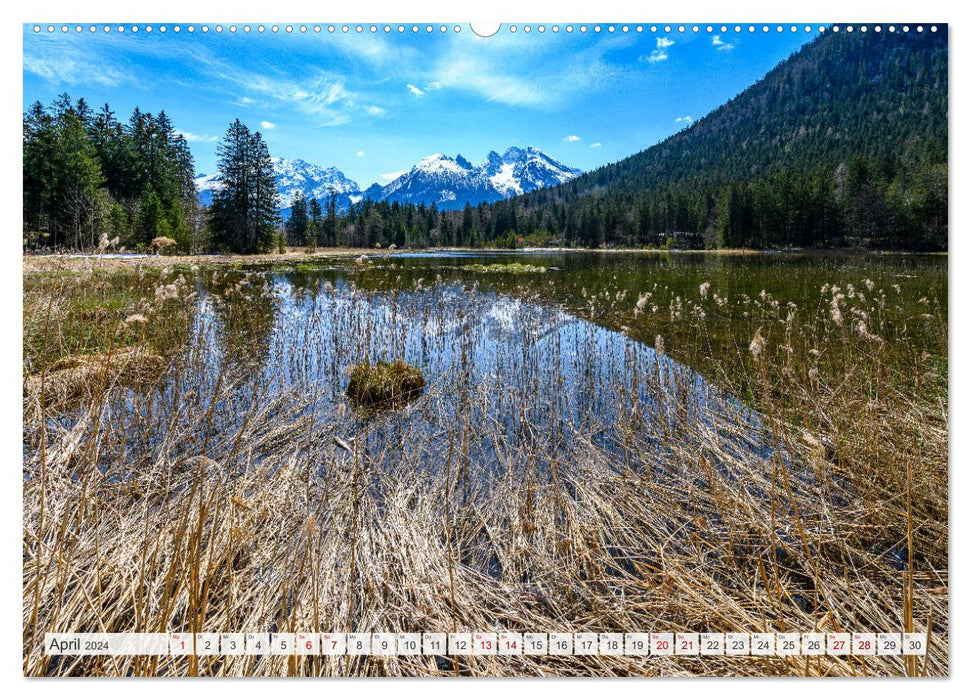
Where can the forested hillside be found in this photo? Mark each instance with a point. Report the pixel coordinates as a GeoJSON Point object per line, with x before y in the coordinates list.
{"type": "Point", "coordinates": [844, 143]}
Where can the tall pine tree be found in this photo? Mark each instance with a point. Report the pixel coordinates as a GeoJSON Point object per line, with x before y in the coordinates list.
{"type": "Point", "coordinates": [245, 207]}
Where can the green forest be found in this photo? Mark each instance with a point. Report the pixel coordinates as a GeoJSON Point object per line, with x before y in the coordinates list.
{"type": "Point", "coordinates": [844, 144]}
{"type": "Point", "coordinates": [91, 181]}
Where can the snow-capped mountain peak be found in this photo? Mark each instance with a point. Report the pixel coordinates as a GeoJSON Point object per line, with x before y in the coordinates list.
{"type": "Point", "coordinates": [520, 170]}
{"type": "Point", "coordinates": [450, 183]}
{"type": "Point", "coordinates": [438, 164]}
{"type": "Point", "coordinates": [295, 175]}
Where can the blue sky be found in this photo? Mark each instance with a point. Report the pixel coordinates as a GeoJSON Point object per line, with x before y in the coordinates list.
{"type": "Point", "coordinates": [374, 104]}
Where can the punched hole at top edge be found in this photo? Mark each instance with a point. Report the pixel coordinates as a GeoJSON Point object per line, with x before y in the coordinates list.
{"type": "Point", "coordinates": [485, 29]}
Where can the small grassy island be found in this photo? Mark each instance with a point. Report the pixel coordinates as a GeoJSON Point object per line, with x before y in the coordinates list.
{"type": "Point", "coordinates": [505, 269]}
{"type": "Point", "coordinates": [384, 384]}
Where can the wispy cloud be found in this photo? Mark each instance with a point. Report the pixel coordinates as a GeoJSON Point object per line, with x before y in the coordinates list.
{"type": "Point", "coordinates": [321, 95]}
{"type": "Point", "coordinates": [267, 125]}
{"type": "Point", "coordinates": [596, 144]}
{"type": "Point", "coordinates": [372, 49]}
{"type": "Point", "coordinates": [660, 53]}
{"type": "Point", "coordinates": [428, 87]}
{"type": "Point", "coordinates": [360, 154]}
{"type": "Point", "coordinates": [515, 70]}
{"type": "Point", "coordinates": [687, 119]}
{"type": "Point", "coordinates": [392, 176]}
{"type": "Point", "coordinates": [720, 44]}
{"type": "Point", "coordinates": [72, 67]}
{"type": "Point", "coordinates": [374, 110]}
{"type": "Point", "coordinates": [572, 138]}
{"type": "Point", "coordinates": [471, 74]}
{"type": "Point", "coordinates": [197, 138]}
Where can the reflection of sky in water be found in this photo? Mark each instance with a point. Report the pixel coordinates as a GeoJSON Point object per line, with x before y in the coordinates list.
{"type": "Point", "coordinates": [492, 360]}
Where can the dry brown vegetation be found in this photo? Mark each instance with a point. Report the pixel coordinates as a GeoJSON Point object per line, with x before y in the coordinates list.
{"type": "Point", "coordinates": [384, 384]}
{"type": "Point", "coordinates": [236, 493]}
{"type": "Point", "coordinates": [74, 380]}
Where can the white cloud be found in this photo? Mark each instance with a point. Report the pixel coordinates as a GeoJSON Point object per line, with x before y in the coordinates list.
{"type": "Point", "coordinates": [66, 67]}
{"type": "Point", "coordinates": [571, 139]}
{"type": "Point", "coordinates": [488, 79]}
{"type": "Point", "coordinates": [360, 154]}
{"type": "Point", "coordinates": [267, 125]}
{"type": "Point", "coordinates": [415, 90]}
{"type": "Point", "coordinates": [512, 69]}
{"type": "Point", "coordinates": [392, 176]}
{"type": "Point", "coordinates": [197, 138]}
{"type": "Point", "coordinates": [596, 144]}
{"type": "Point", "coordinates": [324, 97]}
{"type": "Point", "coordinates": [687, 119]}
{"type": "Point", "coordinates": [660, 53]}
{"type": "Point", "coordinates": [321, 96]}
{"type": "Point", "coordinates": [374, 110]}
{"type": "Point", "coordinates": [374, 49]}
{"type": "Point", "coordinates": [720, 44]}
{"type": "Point", "coordinates": [318, 94]}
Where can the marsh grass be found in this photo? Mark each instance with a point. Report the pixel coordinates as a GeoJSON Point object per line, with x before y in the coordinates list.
{"type": "Point", "coordinates": [549, 487]}
{"type": "Point", "coordinates": [69, 381]}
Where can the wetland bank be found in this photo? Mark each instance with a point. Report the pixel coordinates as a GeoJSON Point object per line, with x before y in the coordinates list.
{"type": "Point", "coordinates": [603, 442]}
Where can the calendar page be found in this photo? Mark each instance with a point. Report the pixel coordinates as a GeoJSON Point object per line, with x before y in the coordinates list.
{"type": "Point", "coordinates": [437, 349]}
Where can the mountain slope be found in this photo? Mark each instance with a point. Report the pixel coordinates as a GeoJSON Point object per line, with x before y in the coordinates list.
{"type": "Point", "coordinates": [844, 142]}
{"type": "Point", "coordinates": [524, 170]}
{"type": "Point", "coordinates": [438, 179]}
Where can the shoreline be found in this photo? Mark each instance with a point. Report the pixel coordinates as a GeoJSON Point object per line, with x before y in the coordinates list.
{"type": "Point", "coordinates": [46, 260]}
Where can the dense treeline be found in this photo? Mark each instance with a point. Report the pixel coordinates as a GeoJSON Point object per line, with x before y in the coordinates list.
{"type": "Point", "coordinates": [90, 179]}
{"type": "Point", "coordinates": [843, 144]}
{"type": "Point", "coordinates": [92, 182]}
{"type": "Point", "coordinates": [307, 225]}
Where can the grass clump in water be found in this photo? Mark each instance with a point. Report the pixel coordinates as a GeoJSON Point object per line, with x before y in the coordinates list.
{"type": "Point", "coordinates": [73, 380]}
{"type": "Point", "coordinates": [384, 384]}
{"type": "Point", "coordinates": [505, 269]}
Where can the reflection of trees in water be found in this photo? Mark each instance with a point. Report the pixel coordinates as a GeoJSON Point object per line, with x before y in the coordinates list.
{"type": "Point", "coordinates": [246, 308]}
{"type": "Point", "coordinates": [304, 284]}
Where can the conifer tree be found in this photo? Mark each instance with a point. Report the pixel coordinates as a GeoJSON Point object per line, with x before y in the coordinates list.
{"type": "Point", "coordinates": [316, 227]}
{"type": "Point", "coordinates": [245, 209]}
{"type": "Point", "coordinates": [298, 224]}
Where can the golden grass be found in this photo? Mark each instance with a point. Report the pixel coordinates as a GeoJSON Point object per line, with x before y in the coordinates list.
{"type": "Point", "coordinates": [73, 380]}
{"type": "Point", "coordinates": [236, 502]}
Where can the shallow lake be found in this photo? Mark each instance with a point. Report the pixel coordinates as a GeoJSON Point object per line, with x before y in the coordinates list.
{"type": "Point", "coordinates": [525, 347]}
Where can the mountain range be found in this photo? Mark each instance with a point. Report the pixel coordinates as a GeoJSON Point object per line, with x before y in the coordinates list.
{"type": "Point", "coordinates": [452, 182]}
{"type": "Point", "coordinates": [447, 182]}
